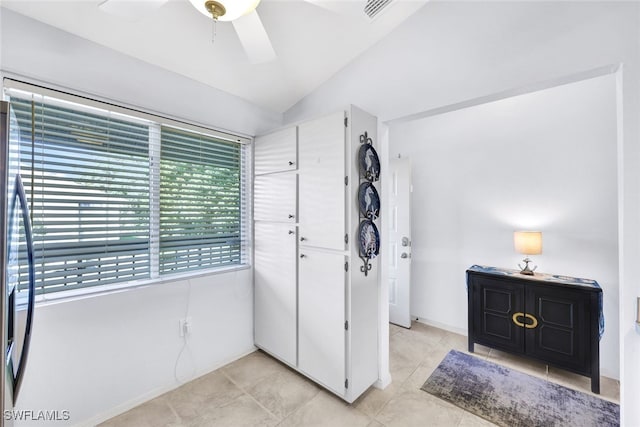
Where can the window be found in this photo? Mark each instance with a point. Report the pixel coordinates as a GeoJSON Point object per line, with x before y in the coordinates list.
{"type": "Point", "coordinates": [106, 211]}
{"type": "Point", "coordinates": [200, 199]}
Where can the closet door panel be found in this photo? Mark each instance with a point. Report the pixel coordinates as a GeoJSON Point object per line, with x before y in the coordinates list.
{"type": "Point", "coordinates": [275, 152]}
{"type": "Point", "coordinates": [321, 317]}
{"type": "Point", "coordinates": [322, 182]}
{"type": "Point", "coordinates": [275, 197]}
{"type": "Point", "coordinates": [275, 290]}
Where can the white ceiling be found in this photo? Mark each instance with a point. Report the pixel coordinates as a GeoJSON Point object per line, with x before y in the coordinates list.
{"type": "Point", "coordinates": [312, 42]}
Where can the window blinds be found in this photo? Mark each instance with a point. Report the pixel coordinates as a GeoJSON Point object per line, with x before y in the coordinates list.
{"type": "Point", "coordinates": [105, 210]}
{"type": "Point", "coordinates": [87, 176]}
{"type": "Point", "coordinates": [201, 200]}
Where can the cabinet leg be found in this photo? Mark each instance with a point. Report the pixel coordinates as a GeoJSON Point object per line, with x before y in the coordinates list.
{"type": "Point", "coordinates": [595, 383]}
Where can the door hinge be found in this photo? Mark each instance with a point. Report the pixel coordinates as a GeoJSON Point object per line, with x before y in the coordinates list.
{"type": "Point", "coordinates": [346, 383]}
{"type": "Point", "coordinates": [346, 180]}
{"type": "Point", "coordinates": [346, 266]}
{"type": "Point", "coordinates": [346, 238]}
{"type": "Point", "coordinates": [346, 121]}
{"type": "Point", "coordinates": [346, 325]}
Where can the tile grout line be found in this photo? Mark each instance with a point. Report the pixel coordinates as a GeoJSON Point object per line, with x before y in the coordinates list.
{"type": "Point", "coordinates": [242, 389]}
{"type": "Point", "coordinates": [178, 417]}
{"type": "Point", "coordinates": [400, 387]}
{"type": "Point", "coordinates": [301, 406]}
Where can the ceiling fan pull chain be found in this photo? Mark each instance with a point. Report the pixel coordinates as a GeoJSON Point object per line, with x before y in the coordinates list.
{"type": "Point", "coordinates": [213, 30]}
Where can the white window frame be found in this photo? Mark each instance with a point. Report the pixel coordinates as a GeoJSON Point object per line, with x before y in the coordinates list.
{"type": "Point", "coordinates": [155, 121]}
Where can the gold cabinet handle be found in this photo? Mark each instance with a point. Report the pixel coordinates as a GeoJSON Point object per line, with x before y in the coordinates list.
{"type": "Point", "coordinates": [533, 324]}
{"type": "Point", "coordinates": [515, 319]}
{"type": "Point", "coordinates": [533, 319]}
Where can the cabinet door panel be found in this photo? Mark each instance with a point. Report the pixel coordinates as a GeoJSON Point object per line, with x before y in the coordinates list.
{"type": "Point", "coordinates": [321, 316]}
{"type": "Point", "coordinates": [322, 188]}
{"type": "Point", "coordinates": [275, 290]}
{"type": "Point", "coordinates": [275, 197]}
{"type": "Point", "coordinates": [275, 152]}
{"type": "Point", "coordinates": [561, 335]}
{"type": "Point", "coordinates": [495, 303]}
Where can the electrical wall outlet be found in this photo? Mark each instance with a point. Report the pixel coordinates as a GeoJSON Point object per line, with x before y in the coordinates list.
{"type": "Point", "coordinates": [185, 326]}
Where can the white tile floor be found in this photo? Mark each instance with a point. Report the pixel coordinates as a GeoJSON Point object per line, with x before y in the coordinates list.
{"type": "Point", "coordinates": [259, 391]}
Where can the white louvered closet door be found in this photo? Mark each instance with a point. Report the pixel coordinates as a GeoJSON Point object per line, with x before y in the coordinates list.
{"type": "Point", "coordinates": [322, 182]}
{"type": "Point", "coordinates": [275, 289]}
{"type": "Point", "coordinates": [321, 317]}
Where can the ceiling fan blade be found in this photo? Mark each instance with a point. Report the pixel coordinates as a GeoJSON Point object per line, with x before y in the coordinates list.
{"type": "Point", "coordinates": [254, 38]}
{"type": "Point", "coordinates": [132, 10]}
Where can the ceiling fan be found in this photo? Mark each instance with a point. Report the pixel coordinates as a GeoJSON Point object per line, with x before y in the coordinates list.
{"type": "Point", "coordinates": [244, 17]}
{"type": "Point", "coordinates": [241, 13]}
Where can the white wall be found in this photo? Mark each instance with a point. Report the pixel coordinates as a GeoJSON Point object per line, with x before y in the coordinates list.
{"type": "Point", "coordinates": [100, 355]}
{"type": "Point", "coordinates": [541, 161]}
{"type": "Point", "coordinates": [43, 53]}
{"type": "Point", "coordinates": [454, 52]}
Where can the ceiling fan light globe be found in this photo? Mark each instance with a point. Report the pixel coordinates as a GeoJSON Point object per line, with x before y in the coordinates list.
{"type": "Point", "coordinates": [234, 8]}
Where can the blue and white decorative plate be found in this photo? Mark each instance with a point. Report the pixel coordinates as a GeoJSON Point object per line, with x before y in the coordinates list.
{"type": "Point", "coordinates": [368, 200]}
{"type": "Point", "coordinates": [369, 163]}
{"type": "Point", "coordinates": [369, 239]}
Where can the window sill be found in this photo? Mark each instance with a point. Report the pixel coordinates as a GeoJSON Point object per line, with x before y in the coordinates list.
{"type": "Point", "coordinates": [96, 291]}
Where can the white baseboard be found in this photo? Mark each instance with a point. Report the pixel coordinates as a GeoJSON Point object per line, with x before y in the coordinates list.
{"type": "Point", "coordinates": [383, 382]}
{"type": "Point", "coordinates": [440, 325]}
{"type": "Point", "coordinates": [124, 407]}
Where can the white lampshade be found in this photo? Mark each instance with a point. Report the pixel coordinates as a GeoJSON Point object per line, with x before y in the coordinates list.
{"type": "Point", "coordinates": [235, 8]}
{"type": "Point", "coordinates": [528, 242]}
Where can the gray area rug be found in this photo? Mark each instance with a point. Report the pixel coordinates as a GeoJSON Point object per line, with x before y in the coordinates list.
{"type": "Point", "coordinates": [510, 398]}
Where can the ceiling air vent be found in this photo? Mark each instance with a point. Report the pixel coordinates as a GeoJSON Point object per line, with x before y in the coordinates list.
{"type": "Point", "coordinates": [374, 7]}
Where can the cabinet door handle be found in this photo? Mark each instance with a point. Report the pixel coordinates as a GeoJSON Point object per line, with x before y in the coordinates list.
{"type": "Point", "coordinates": [302, 239]}
{"type": "Point", "coordinates": [533, 319]}
{"type": "Point", "coordinates": [291, 216]}
{"type": "Point", "coordinates": [303, 256]}
{"type": "Point", "coordinates": [532, 325]}
{"type": "Point", "coordinates": [291, 232]}
{"type": "Point", "coordinates": [515, 319]}
{"type": "Point", "coordinates": [291, 163]}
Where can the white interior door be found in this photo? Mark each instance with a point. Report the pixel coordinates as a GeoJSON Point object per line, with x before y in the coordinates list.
{"type": "Point", "coordinates": [399, 238]}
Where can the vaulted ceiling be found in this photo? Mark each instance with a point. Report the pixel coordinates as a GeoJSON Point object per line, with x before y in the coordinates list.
{"type": "Point", "coordinates": [312, 39]}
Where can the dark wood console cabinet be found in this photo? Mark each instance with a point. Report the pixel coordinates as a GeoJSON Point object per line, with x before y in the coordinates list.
{"type": "Point", "coordinates": [554, 319]}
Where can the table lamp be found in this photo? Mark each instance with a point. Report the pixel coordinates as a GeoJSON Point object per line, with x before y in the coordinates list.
{"type": "Point", "coordinates": [527, 243]}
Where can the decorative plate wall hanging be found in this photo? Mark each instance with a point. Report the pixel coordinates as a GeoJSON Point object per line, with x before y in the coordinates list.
{"type": "Point", "coordinates": [369, 241]}
{"type": "Point", "coordinates": [369, 162]}
{"type": "Point", "coordinates": [368, 200]}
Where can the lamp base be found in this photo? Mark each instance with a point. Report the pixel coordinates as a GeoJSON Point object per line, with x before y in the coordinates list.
{"type": "Point", "coordinates": [526, 270]}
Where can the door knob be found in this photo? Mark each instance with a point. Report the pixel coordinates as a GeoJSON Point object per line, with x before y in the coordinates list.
{"type": "Point", "coordinates": [405, 241]}
{"type": "Point", "coordinates": [405, 255]}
